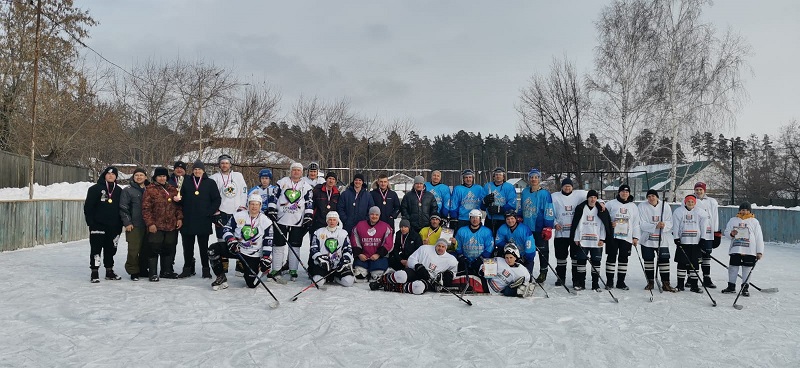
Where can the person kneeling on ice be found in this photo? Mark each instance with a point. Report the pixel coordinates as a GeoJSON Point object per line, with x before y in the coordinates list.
{"type": "Point", "coordinates": [248, 234]}
{"type": "Point", "coordinates": [372, 242]}
{"type": "Point", "coordinates": [428, 268]}
{"type": "Point", "coordinates": [331, 253]}
{"type": "Point", "coordinates": [747, 247]}
{"type": "Point", "coordinates": [474, 243]}
{"type": "Point", "coordinates": [500, 276]}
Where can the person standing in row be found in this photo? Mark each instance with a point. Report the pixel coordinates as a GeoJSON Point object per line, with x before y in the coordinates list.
{"type": "Point", "coordinates": [130, 211]}
{"type": "Point", "coordinates": [233, 192]}
{"type": "Point", "coordinates": [418, 205]}
{"type": "Point", "coordinates": [747, 247]}
{"type": "Point", "coordinates": [441, 192]}
{"type": "Point", "coordinates": [625, 234]}
{"type": "Point", "coordinates": [163, 217]}
{"type": "Point", "coordinates": [293, 209]}
{"type": "Point", "coordinates": [590, 226]}
{"type": "Point", "coordinates": [354, 203]}
{"type": "Point", "coordinates": [655, 221]}
{"type": "Point", "coordinates": [325, 198]}
{"type": "Point", "coordinates": [564, 204]}
{"type": "Point", "coordinates": [101, 210]}
{"type": "Point", "coordinates": [504, 199]}
{"type": "Point", "coordinates": [313, 179]}
{"type": "Point", "coordinates": [200, 198]}
{"type": "Point", "coordinates": [538, 216]}
{"type": "Point", "coordinates": [387, 200]}
{"type": "Point", "coordinates": [265, 189]}
{"type": "Point", "coordinates": [178, 175]}
{"type": "Point", "coordinates": [713, 235]}
{"type": "Point", "coordinates": [689, 230]}
{"type": "Point", "coordinates": [466, 197]}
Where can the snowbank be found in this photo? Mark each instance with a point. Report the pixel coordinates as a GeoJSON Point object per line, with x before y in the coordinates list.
{"type": "Point", "coordinates": [53, 191]}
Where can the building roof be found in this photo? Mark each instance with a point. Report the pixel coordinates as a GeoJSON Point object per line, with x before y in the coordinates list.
{"type": "Point", "coordinates": [657, 177]}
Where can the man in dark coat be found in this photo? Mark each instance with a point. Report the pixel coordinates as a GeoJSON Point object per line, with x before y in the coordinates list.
{"type": "Point", "coordinates": [354, 203]}
{"type": "Point", "coordinates": [101, 210]}
{"type": "Point", "coordinates": [130, 211]}
{"type": "Point", "coordinates": [200, 198]}
{"type": "Point", "coordinates": [387, 200]}
{"type": "Point", "coordinates": [418, 205]}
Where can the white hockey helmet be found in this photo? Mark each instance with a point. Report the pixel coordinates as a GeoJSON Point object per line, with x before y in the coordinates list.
{"type": "Point", "coordinates": [255, 198]}
{"type": "Point", "coordinates": [476, 213]}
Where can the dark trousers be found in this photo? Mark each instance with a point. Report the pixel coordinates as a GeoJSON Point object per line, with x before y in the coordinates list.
{"type": "Point", "coordinates": [105, 242]}
{"type": "Point", "coordinates": [188, 249]}
{"type": "Point", "coordinates": [219, 250]}
{"type": "Point", "coordinates": [162, 244]}
{"type": "Point", "coordinates": [564, 247]}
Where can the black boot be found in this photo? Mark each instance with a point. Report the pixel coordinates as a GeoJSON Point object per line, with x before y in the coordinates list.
{"type": "Point", "coordinates": [110, 275]}
{"type": "Point", "coordinates": [220, 283]}
{"type": "Point", "coordinates": [680, 287]}
{"type": "Point", "coordinates": [152, 263]}
{"type": "Point", "coordinates": [731, 289]}
{"type": "Point", "coordinates": [95, 276]}
{"type": "Point", "coordinates": [206, 272]}
{"type": "Point", "coordinates": [609, 281]}
{"type": "Point", "coordinates": [542, 276]}
{"type": "Point", "coordinates": [621, 282]}
{"type": "Point", "coordinates": [694, 286]}
{"type": "Point", "coordinates": [166, 268]}
{"type": "Point", "coordinates": [187, 272]}
{"type": "Point", "coordinates": [708, 283]}
{"type": "Point", "coordinates": [746, 290]}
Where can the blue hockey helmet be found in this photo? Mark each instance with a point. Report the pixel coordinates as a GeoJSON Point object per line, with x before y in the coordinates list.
{"type": "Point", "coordinates": [265, 172]}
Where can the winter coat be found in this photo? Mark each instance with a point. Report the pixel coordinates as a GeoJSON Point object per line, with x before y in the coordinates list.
{"type": "Point", "coordinates": [350, 214]}
{"type": "Point", "coordinates": [130, 206]}
{"type": "Point", "coordinates": [158, 207]}
{"type": "Point", "coordinates": [404, 245]}
{"type": "Point", "coordinates": [418, 216]}
{"type": "Point", "coordinates": [391, 209]}
{"type": "Point", "coordinates": [198, 209]}
{"type": "Point", "coordinates": [321, 205]}
{"type": "Point", "coordinates": [99, 213]}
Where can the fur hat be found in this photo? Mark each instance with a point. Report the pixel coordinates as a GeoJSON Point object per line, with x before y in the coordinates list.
{"type": "Point", "coordinates": [160, 171]}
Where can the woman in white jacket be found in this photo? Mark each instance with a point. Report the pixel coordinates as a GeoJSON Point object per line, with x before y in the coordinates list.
{"type": "Point", "coordinates": [747, 246]}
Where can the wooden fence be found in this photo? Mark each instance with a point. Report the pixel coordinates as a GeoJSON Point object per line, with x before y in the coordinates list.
{"type": "Point", "coordinates": [28, 223]}
{"type": "Point", "coordinates": [16, 169]}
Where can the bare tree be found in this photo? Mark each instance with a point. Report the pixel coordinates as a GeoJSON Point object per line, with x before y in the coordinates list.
{"type": "Point", "coordinates": [789, 158]}
{"type": "Point", "coordinates": [623, 100]}
{"type": "Point", "coordinates": [697, 76]}
{"type": "Point", "coordinates": [555, 105]}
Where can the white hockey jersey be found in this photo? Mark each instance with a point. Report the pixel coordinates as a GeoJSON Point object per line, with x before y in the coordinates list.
{"type": "Point", "coordinates": [426, 255]}
{"type": "Point", "coordinates": [564, 209]}
{"type": "Point", "coordinates": [625, 217]}
{"type": "Point", "coordinates": [748, 240]}
{"type": "Point", "coordinates": [689, 226]}
{"type": "Point", "coordinates": [711, 206]}
{"type": "Point", "coordinates": [232, 189]}
{"type": "Point", "coordinates": [313, 183]}
{"type": "Point", "coordinates": [292, 200]}
{"type": "Point", "coordinates": [255, 234]}
{"type": "Point", "coordinates": [590, 229]}
{"type": "Point", "coordinates": [649, 217]}
{"type": "Point", "coordinates": [335, 244]}
{"type": "Point", "coordinates": [505, 275]}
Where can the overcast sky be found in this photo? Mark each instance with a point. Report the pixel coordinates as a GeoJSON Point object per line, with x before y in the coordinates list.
{"type": "Point", "coordinates": [445, 65]}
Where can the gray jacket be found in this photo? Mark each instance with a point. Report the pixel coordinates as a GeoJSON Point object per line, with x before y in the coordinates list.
{"type": "Point", "coordinates": [130, 206]}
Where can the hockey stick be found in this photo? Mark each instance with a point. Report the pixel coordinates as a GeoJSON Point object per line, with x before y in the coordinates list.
{"type": "Point", "coordinates": [766, 290]}
{"type": "Point", "coordinates": [563, 282]}
{"type": "Point", "coordinates": [541, 287]}
{"type": "Point", "coordinates": [294, 297]}
{"type": "Point", "coordinates": [639, 257]}
{"type": "Point", "coordinates": [697, 275]}
{"type": "Point", "coordinates": [460, 297]}
{"type": "Point", "coordinates": [272, 305]}
{"type": "Point", "coordinates": [589, 260]}
{"type": "Point", "coordinates": [277, 227]}
{"type": "Point", "coordinates": [737, 306]}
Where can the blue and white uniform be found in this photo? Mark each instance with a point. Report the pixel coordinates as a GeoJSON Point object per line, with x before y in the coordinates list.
{"type": "Point", "coordinates": [442, 194]}
{"type": "Point", "coordinates": [465, 199]}
{"type": "Point", "coordinates": [505, 197]}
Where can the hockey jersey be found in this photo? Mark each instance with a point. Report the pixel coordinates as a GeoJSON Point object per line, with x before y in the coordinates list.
{"type": "Point", "coordinates": [537, 209]}
{"type": "Point", "coordinates": [625, 219]}
{"type": "Point", "coordinates": [749, 239]}
{"type": "Point", "coordinates": [649, 217]}
{"type": "Point", "coordinates": [505, 196]}
{"type": "Point", "coordinates": [474, 244]}
{"type": "Point", "coordinates": [265, 193]}
{"type": "Point", "coordinates": [369, 239]}
{"type": "Point", "coordinates": [255, 234]}
{"type": "Point", "coordinates": [505, 275]}
{"type": "Point", "coordinates": [442, 194]}
{"type": "Point", "coordinates": [590, 229]}
{"type": "Point", "coordinates": [690, 226]}
{"type": "Point", "coordinates": [293, 201]}
{"type": "Point", "coordinates": [426, 255]}
{"type": "Point", "coordinates": [232, 189]}
{"type": "Point", "coordinates": [522, 236]}
{"type": "Point", "coordinates": [465, 199]}
{"type": "Point", "coordinates": [314, 182]}
{"type": "Point", "coordinates": [564, 210]}
{"type": "Point", "coordinates": [711, 207]}
{"type": "Point", "coordinates": [333, 243]}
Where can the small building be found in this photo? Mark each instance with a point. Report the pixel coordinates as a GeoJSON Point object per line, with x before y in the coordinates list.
{"type": "Point", "coordinates": [657, 177]}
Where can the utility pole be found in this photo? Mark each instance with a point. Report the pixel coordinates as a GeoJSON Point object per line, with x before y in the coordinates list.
{"type": "Point", "coordinates": [35, 89]}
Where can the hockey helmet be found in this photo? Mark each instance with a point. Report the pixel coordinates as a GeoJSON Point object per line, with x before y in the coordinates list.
{"type": "Point", "coordinates": [511, 248]}
{"type": "Point", "coordinates": [475, 213]}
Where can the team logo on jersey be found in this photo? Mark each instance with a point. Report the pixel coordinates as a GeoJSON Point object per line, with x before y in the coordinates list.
{"type": "Point", "coordinates": [689, 217]}
{"type": "Point", "coordinates": [655, 218]}
{"type": "Point", "coordinates": [529, 208]}
{"type": "Point", "coordinates": [240, 222]}
{"type": "Point", "coordinates": [331, 244]}
{"type": "Point", "coordinates": [292, 195]}
{"type": "Point", "coordinates": [229, 190]}
{"type": "Point", "coordinates": [567, 208]}
{"type": "Point", "coordinates": [249, 232]}
{"type": "Point", "coordinates": [590, 218]}
{"type": "Point", "coordinates": [371, 231]}
{"type": "Point", "coordinates": [432, 267]}
{"type": "Point", "coordinates": [623, 210]}
{"type": "Point", "coordinates": [506, 273]}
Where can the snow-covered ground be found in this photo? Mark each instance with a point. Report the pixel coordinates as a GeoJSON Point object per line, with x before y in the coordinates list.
{"type": "Point", "coordinates": [52, 191]}
{"type": "Point", "coordinates": [52, 316]}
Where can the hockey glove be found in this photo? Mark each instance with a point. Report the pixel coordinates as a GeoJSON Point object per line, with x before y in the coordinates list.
{"type": "Point", "coordinates": [233, 245]}
{"type": "Point", "coordinates": [677, 241]}
{"type": "Point", "coordinates": [217, 220]}
{"type": "Point", "coordinates": [324, 263]}
{"type": "Point", "coordinates": [517, 283]}
{"type": "Point", "coordinates": [265, 264]}
{"type": "Point", "coordinates": [488, 200]}
{"type": "Point", "coordinates": [346, 265]}
{"type": "Point", "coordinates": [717, 239]}
{"type": "Point", "coordinates": [272, 213]}
{"type": "Point", "coordinates": [547, 233]}
{"type": "Point", "coordinates": [422, 272]}
{"type": "Point", "coordinates": [307, 220]}
{"type": "Point", "coordinates": [476, 264]}
{"type": "Point", "coordinates": [493, 210]}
